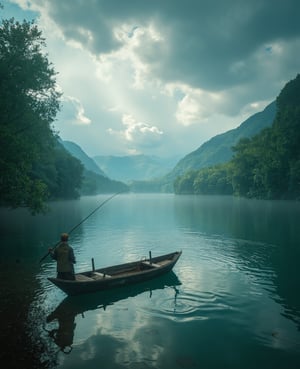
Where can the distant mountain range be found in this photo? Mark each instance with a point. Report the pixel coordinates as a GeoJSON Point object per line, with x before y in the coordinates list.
{"type": "Point", "coordinates": [94, 179]}
{"type": "Point", "coordinates": [157, 174]}
{"type": "Point", "coordinates": [135, 167]}
{"type": "Point", "coordinates": [122, 168]}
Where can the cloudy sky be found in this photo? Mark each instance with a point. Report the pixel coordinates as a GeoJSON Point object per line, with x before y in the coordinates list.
{"type": "Point", "coordinates": [161, 77]}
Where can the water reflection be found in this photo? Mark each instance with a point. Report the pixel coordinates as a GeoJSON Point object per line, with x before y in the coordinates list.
{"type": "Point", "coordinates": [238, 303]}
{"type": "Point", "coordinates": [258, 238]}
{"type": "Point", "coordinates": [61, 325]}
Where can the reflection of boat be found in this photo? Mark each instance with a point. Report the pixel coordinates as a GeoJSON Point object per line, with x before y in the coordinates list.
{"type": "Point", "coordinates": [118, 275]}
{"type": "Point", "coordinates": [72, 306]}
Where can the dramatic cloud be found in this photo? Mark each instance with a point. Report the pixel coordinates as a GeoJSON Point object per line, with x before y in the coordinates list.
{"type": "Point", "coordinates": [73, 108]}
{"type": "Point", "coordinates": [189, 69]}
{"type": "Point", "coordinates": [139, 135]}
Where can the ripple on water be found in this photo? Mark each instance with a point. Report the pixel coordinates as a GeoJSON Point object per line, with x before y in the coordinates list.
{"type": "Point", "coordinates": [186, 306]}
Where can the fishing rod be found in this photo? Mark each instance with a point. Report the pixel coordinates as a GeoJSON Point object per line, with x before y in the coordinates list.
{"type": "Point", "coordinates": [83, 220]}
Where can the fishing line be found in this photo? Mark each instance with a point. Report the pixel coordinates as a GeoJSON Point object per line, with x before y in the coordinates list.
{"type": "Point", "coordinates": [83, 220]}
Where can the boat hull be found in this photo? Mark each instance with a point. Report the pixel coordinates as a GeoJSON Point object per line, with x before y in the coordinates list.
{"type": "Point", "coordinates": [118, 275]}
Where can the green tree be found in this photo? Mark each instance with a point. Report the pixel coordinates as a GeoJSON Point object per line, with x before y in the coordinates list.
{"type": "Point", "coordinates": [69, 175]}
{"type": "Point", "coordinates": [267, 166]}
{"type": "Point", "coordinates": [61, 172]}
{"type": "Point", "coordinates": [185, 184]}
{"type": "Point", "coordinates": [29, 102]}
{"type": "Point", "coordinates": [264, 166]}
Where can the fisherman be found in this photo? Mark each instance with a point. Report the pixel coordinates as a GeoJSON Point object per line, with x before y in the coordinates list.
{"type": "Point", "coordinates": [64, 256]}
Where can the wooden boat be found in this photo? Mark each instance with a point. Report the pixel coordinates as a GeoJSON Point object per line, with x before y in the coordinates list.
{"type": "Point", "coordinates": [118, 275]}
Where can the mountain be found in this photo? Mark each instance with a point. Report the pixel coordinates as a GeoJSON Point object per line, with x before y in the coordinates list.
{"type": "Point", "coordinates": [94, 180]}
{"type": "Point", "coordinates": [218, 149]}
{"type": "Point", "coordinates": [156, 174]}
{"type": "Point", "coordinates": [135, 167]}
{"type": "Point", "coordinates": [78, 153]}
{"type": "Point", "coordinates": [265, 166]}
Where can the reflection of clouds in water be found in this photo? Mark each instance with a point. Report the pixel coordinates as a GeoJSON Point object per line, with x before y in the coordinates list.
{"type": "Point", "coordinates": [134, 330]}
{"type": "Point", "coordinates": [134, 336]}
{"type": "Point", "coordinates": [90, 350]}
{"type": "Point", "coordinates": [139, 342]}
{"type": "Point", "coordinates": [146, 344]}
{"type": "Point", "coordinates": [98, 348]}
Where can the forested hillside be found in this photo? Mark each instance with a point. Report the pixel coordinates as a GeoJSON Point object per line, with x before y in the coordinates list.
{"type": "Point", "coordinates": [34, 166]}
{"type": "Point", "coordinates": [94, 180]}
{"type": "Point", "coordinates": [76, 151]}
{"type": "Point", "coordinates": [218, 149]}
{"type": "Point", "coordinates": [215, 151]}
{"type": "Point", "coordinates": [264, 166]}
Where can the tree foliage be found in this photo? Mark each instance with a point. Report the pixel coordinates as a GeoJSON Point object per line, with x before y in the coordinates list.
{"type": "Point", "coordinates": [94, 183]}
{"type": "Point", "coordinates": [264, 166]}
{"type": "Point", "coordinates": [207, 181]}
{"type": "Point", "coordinates": [273, 156]}
{"type": "Point", "coordinates": [32, 168]}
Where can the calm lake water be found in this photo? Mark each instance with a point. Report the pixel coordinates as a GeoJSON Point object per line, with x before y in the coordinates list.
{"type": "Point", "coordinates": [232, 300]}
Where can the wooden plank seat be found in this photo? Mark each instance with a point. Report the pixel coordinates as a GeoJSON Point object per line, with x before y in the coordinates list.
{"type": "Point", "coordinates": [97, 275]}
{"type": "Point", "coordinates": [147, 263]}
{"type": "Point", "coordinates": [82, 278]}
